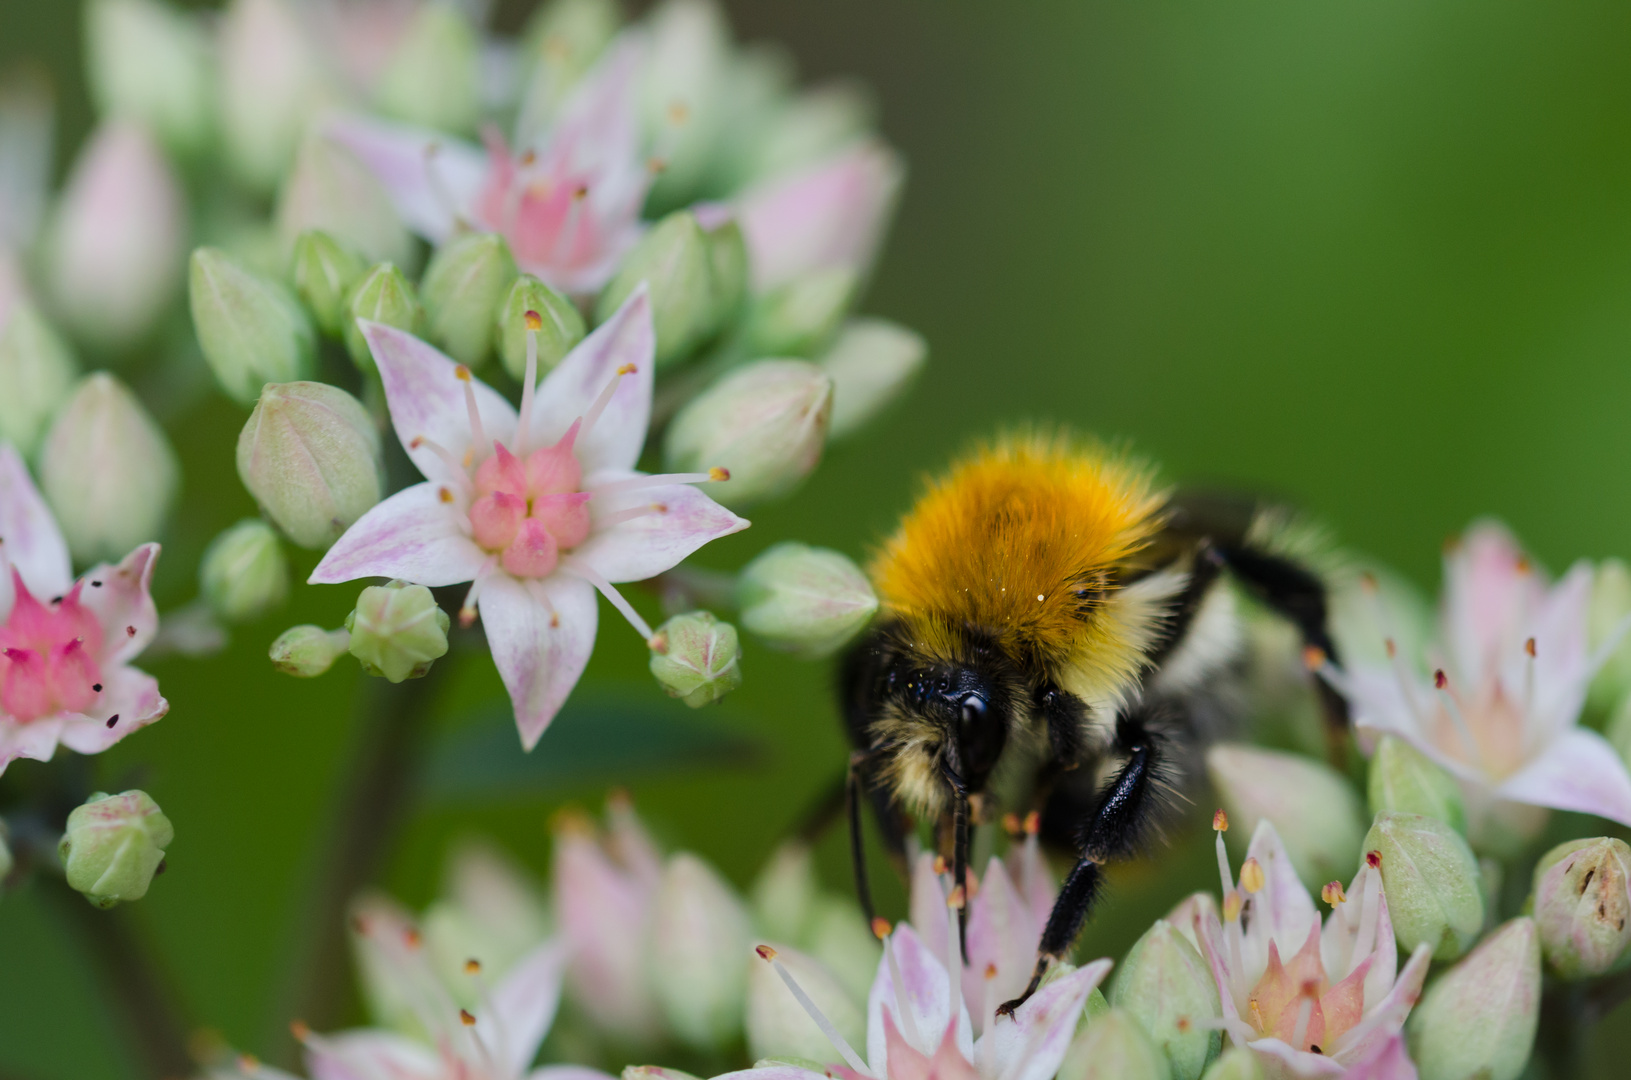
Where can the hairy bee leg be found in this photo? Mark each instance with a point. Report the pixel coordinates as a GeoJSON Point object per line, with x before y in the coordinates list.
{"type": "Point", "coordinates": [959, 851]}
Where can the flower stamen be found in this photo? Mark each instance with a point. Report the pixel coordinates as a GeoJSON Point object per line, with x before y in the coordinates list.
{"type": "Point", "coordinates": [524, 418]}
{"type": "Point", "coordinates": [588, 573]}
{"type": "Point", "coordinates": [478, 437]}
{"type": "Point", "coordinates": [604, 399]}
{"type": "Point", "coordinates": [838, 1041]}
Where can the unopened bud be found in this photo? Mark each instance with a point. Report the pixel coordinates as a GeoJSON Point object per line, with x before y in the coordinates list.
{"type": "Point", "coordinates": [107, 471]}
{"type": "Point", "coordinates": [559, 325]}
{"type": "Point", "coordinates": [308, 651]}
{"type": "Point", "coordinates": [251, 329]}
{"type": "Point", "coordinates": [1582, 905]}
{"type": "Point", "coordinates": [150, 63]}
{"type": "Point", "coordinates": [674, 260]}
{"type": "Point", "coordinates": [838, 936]}
{"type": "Point", "coordinates": [776, 1024]}
{"type": "Point", "coordinates": [811, 128]}
{"type": "Point", "coordinates": [243, 574]}
{"type": "Point", "coordinates": [871, 364]}
{"type": "Point", "coordinates": [561, 42]}
{"type": "Point", "coordinates": [784, 894]}
{"type": "Point", "coordinates": [699, 937]}
{"type": "Point", "coordinates": [272, 83]}
{"type": "Point", "coordinates": [1479, 1018]}
{"type": "Point", "coordinates": [1236, 1063]}
{"type": "Point", "coordinates": [766, 423]}
{"type": "Point", "coordinates": [37, 370]}
{"type": "Point", "coordinates": [466, 283]}
{"type": "Point", "coordinates": [1314, 809]}
{"type": "Point", "coordinates": [800, 317]}
{"type": "Point", "coordinates": [1610, 606]}
{"type": "Point", "coordinates": [1431, 880]}
{"type": "Point", "coordinates": [804, 599]}
{"type": "Point", "coordinates": [696, 658]}
{"type": "Point", "coordinates": [113, 847]}
{"type": "Point", "coordinates": [433, 78]}
{"type": "Point", "coordinates": [325, 273]}
{"type": "Point", "coordinates": [1402, 778]}
{"type": "Point", "coordinates": [727, 270]}
{"type": "Point", "coordinates": [383, 295]}
{"type": "Point", "coordinates": [1166, 986]}
{"type": "Point", "coordinates": [332, 190]}
{"type": "Point", "coordinates": [397, 631]}
{"type": "Point", "coordinates": [310, 455]}
{"type": "Point", "coordinates": [655, 1072]}
{"type": "Point", "coordinates": [1114, 1046]}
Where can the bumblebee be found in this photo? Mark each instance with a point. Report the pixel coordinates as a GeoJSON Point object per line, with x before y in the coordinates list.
{"type": "Point", "coordinates": [1050, 627]}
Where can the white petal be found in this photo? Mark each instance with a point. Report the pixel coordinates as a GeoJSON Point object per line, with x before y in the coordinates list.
{"type": "Point", "coordinates": [129, 694]}
{"type": "Point", "coordinates": [541, 634]}
{"type": "Point", "coordinates": [568, 392]}
{"type": "Point", "coordinates": [1281, 1060]}
{"type": "Point", "coordinates": [524, 1005]}
{"type": "Point", "coordinates": [413, 535]}
{"type": "Point", "coordinates": [1040, 1032]}
{"type": "Point", "coordinates": [1282, 910]}
{"type": "Point", "coordinates": [429, 187]}
{"type": "Point", "coordinates": [644, 547]}
{"type": "Point", "coordinates": [121, 599]}
{"type": "Point", "coordinates": [925, 990]}
{"type": "Point", "coordinates": [32, 542]}
{"type": "Point", "coordinates": [1579, 770]}
{"type": "Point", "coordinates": [36, 740]}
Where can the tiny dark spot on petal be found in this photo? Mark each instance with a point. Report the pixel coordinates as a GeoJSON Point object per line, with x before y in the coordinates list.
{"type": "Point", "coordinates": [56, 599]}
{"type": "Point", "coordinates": [96, 584]}
{"type": "Point", "coordinates": [114, 719]}
{"type": "Point", "coordinates": [97, 687]}
{"type": "Point", "coordinates": [1602, 911]}
{"type": "Point", "coordinates": [130, 631]}
{"type": "Point", "coordinates": [1587, 880]}
{"type": "Point", "coordinates": [1316, 1049]}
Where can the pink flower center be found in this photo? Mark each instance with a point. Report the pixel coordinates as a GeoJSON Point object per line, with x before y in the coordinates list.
{"type": "Point", "coordinates": [529, 510]}
{"type": "Point", "coordinates": [541, 208]}
{"type": "Point", "coordinates": [48, 656]}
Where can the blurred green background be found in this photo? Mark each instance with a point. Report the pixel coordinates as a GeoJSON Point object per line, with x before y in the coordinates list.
{"type": "Point", "coordinates": [1375, 256]}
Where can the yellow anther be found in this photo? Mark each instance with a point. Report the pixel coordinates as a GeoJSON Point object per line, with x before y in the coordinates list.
{"type": "Point", "coordinates": [716, 474]}
{"type": "Point", "coordinates": [534, 320]}
{"type": "Point", "coordinates": [1332, 894]}
{"type": "Point", "coordinates": [1251, 875]}
{"type": "Point", "coordinates": [1220, 821]}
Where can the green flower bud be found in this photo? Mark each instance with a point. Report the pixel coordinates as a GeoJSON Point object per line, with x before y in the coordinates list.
{"type": "Point", "coordinates": [150, 63]}
{"type": "Point", "coordinates": [1431, 880]}
{"type": "Point", "coordinates": [655, 1072]}
{"type": "Point", "coordinates": [838, 936]}
{"type": "Point", "coordinates": [800, 317]}
{"type": "Point", "coordinates": [699, 938]}
{"type": "Point", "coordinates": [330, 189]}
{"type": "Point", "coordinates": [777, 1025]}
{"type": "Point", "coordinates": [1582, 905]}
{"type": "Point", "coordinates": [871, 365]}
{"type": "Point", "coordinates": [467, 281]}
{"type": "Point", "coordinates": [310, 455]}
{"type": "Point", "coordinates": [114, 845]}
{"type": "Point", "coordinates": [1236, 1063]}
{"type": "Point", "coordinates": [251, 329]}
{"type": "Point", "coordinates": [804, 599]}
{"type": "Point", "coordinates": [695, 658]}
{"type": "Point", "coordinates": [397, 631]}
{"type": "Point", "coordinates": [308, 651]}
{"type": "Point", "coordinates": [727, 270]}
{"type": "Point", "coordinates": [765, 422]}
{"type": "Point", "coordinates": [1479, 1018]}
{"type": "Point", "coordinates": [1114, 1046]}
{"type": "Point", "coordinates": [1166, 986]}
{"type": "Point", "coordinates": [560, 326]}
{"type": "Point", "coordinates": [273, 81]}
{"type": "Point", "coordinates": [783, 897]}
{"type": "Point", "coordinates": [326, 271]}
{"type": "Point", "coordinates": [674, 258]}
{"type": "Point", "coordinates": [1402, 778]}
{"type": "Point", "coordinates": [243, 574]}
{"type": "Point", "coordinates": [433, 78]}
{"type": "Point", "coordinates": [1314, 809]}
{"type": "Point", "coordinates": [107, 471]}
{"type": "Point", "coordinates": [38, 371]}
{"type": "Point", "coordinates": [383, 295]}
{"type": "Point", "coordinates": [1610, 604]}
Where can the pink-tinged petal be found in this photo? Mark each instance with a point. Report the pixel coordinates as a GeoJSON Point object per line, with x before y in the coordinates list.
{"type": "Point", "coordinates": [523, 1006]}
{"type": "Point", "coordinates": [36, 740]}
{"type": "Point", "coordinates": [925, 990]}
{"type": "Point", "coordinates": [1489, 590]}
{"type": "Point", "coordinates": [1384, 1019]}
{"type": "Point", "coordinates": [426, 399]}
{"type": "Point", "coordinates": [1033, 1044]}
{"type": "Point", "coordinates": [120, 599]}
{"type": "Point", "coordinates": [906, 1062]}
{"type": "Point", "coordinates": [772, 1072]}
{"type": "Point", "coordinates": [1210, 931]}
{"type": "Point", "coordinates": [584, 1072]}
{"type": "Point", "coordinates": [130, 698]}
{"type": "Point", "coordinates": [832, 215]}
{"type": "Point", "coordinates": [603, 910]}
{"type": "Point", "coordinates": [368, 1054]}
{"type": "Point", "coordinates": [1001, 932]}
{"type": "Point", "coordinates": [1282, 910]}
{"type": "Point", "coordinates": [615, 439]}
{"type": "Point", "coordinates": [29, 537]}
{"type": "Point", "coordinates": [1579, 770]}
{"type": "Point", "coordinates": [432, 180]}
{"type": "Point", "coordinates": [682, 519]}
{"type": "Point", "coordinates": [1561, 669]}
{"type": "Point", "coordinates": [927, 906]}
{"type": "Point", "coordinates": [414, 535]}
{"type": "Point", "coordinates": [1389, 1062]}
{"type": "Point", "coordinates": [1280, 1060]}
{"type": "Point", "coordinates": [541, 634]}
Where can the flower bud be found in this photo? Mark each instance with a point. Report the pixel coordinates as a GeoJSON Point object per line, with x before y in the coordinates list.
{"type": "Point", "coordinates": [1431, 880]}
{"type": "Point", "coordinates": [561, 42]}
{"type": "Point", "coordinates": [1114, 1046]}
{"type": "Point", "coordinates": [310, 455]}
{"type": "Point", "coordinates": [1236, 1063]}
{"type": "Point", "coordinates": [149, 63]}
{"type": "Point", "coordinates": [1402, 778]}
{"type": "Point", "coordinates": [326, 271]}
{"type": "Point", "coordinates": [727, 270]}
{"type": "Point", "coordinates": [243, 574]}
{"type": "Point", "coordinates": [674, 259]}
{"type": "Point", "coordinates": [383, 295]}
{"type": "Point", "coordinates": [783, 896]}
{"type": "Point", "coordinates": [37, 371]}
{"type": "Point", "coordinates": [397, 631]}
{"type": "Point", "coordinates": [272, 83]}
{"type": "Point", "coordinates": [330, 189]}
{"type": "Point", "coordinates": [113, 251]}
{"type": "Point", "coordinates": [812, 127]}
{"type": "Point", "coordinates": [433, 76]}
{"type": "Point", "coordinates": [838, 936]}
{"type": "Point", "coordinates": [803, 599]}
{"type": "Point", "coordinates": [107, 471]}
{"type": "Point", "coordinates": [308, 651]}
{"type": "Point", "coordinates": [800, 317]}
{"type": "Point", "coordinates": [114, 845]}
{"type": "Point", "coordinates": [698, 955]}
{"type": "Point", "coordinates": [765, 422]}
{"type": "Point", "coordinates": [465, 284]}
{"type": "Point", "coordinates": [777, 1025]}
{"type": "Point", "coordinates": [560, 326]}
{"type": "Point", "coordinates": [1610, 605]}
{"type": "Point", "coordinates": [871, 364]}
{"type": "Point", "coordinates": [1167, 987]}
{"type": "Point", "coordinates": [251, 329]}
{"type": "Point", "coordinates": [695, 658]}
{"type": "Point", "coordinates": [1582, 904]}
{"type": "Point", "coordinates": [1479, 1018]}
{"type": "Point", "coordinates": [1314, 809]}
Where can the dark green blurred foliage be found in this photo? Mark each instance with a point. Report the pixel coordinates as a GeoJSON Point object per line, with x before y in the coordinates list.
{"type": "Point", "coordinates": [1375, 256]}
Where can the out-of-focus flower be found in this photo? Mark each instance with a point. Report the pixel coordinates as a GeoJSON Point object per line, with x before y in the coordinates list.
{"type": "Point", "coordinates": [561, 42]}
{"type": "Point", "coordinates": [1583, 904]}
{"type": "Point", "coordinates": [539, 529]}
{"type": "Point", "coordinates": [778, 1026]}
{"type": "Point", "coordinates": [397, 631]}
{"type": "Point", "coordinates": [1114, 1046]}
{"type": "Point", "coordinates": [243, 574]}
{"type": "Point", "coordinates": [696, 658]}
{"type": "Point", "coordinates": [1500, 708]}
{"type": "Point", "coordinates": [1479, 1018]}
{"type": "Point", "coordinates": [114, 246]}
{"type": "Point", "coordinates": [1315, 811]}
{"type": "Point", "coordinates": [433, 75]}
{"type": "Point", "coordinates": [464, 286]}
{"type": "Point", "coordinates": [1166, 986]}
{"type": "Point", "coordinates": [804, 599]}
{"type": "Point", "coordinates": [308, 651]}
{"type": "Point", "coordinates": [684, 87]}
{"type": "Point", "coordinates": [107, 470]}
{"type": "Point", "coordinates": [114, 845]}
{"type": "Point", "coordinates": [1431, 879]}
{"type": "Point", "coordinates": [1339, 997]}
{"type": "Point", "coordinates": [384, 296]}
{"type": "Point", "coordinates": [27, 125]}
{"type": "Point", "coordinates": [490, 909]}
{"type": "Point", "coordinates": [800, 317]}
{"type": "Point", "coordinates": [310, 455]}
{"type": "Point", "coordinates": [700, 941]}
{"type": "Point", "coordinates": [871, 364]}
{"type": "Point", "coordinates": [1235, 1063]}
{"type": "Point", "coordinates": [251, 328]}
{"type": "Point", "coordinates": [150, 63]}
{"type": "Point", "coordinates": [1610, 607]}
{"type": "Point", "coordinates": [331, 189]}
{"type": "Point", "coordinates": [325, 271]}
{"type": "Point", "coordinates": [273, 82]}
{"type": "Point", "coordinates": [559, 326]}
{"type": "Point", "coordinates": [38, 371]}
{"type": "Point", "coordinates": [1405, 780]}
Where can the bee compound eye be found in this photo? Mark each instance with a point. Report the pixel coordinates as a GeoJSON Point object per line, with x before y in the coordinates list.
{"type": "Point", "coordinates": [973, 709]}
